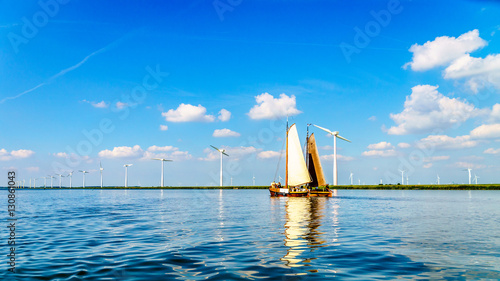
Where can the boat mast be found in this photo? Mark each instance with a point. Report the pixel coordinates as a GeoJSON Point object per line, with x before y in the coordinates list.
{"type": "Point", "coordinates": [307, 148]}
{"type": "Point", "coordinates": [286, 169]}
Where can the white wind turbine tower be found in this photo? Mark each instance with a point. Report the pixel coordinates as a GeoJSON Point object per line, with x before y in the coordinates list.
{"type": "Point", "coordinates": [51, 178]}
{"type": "Point", "coordinates": [253, 180]}
{"type": "Point", "coordinates": [475, 178]}
{"type": "Point", "coordinates": [44, 182]}
{"type": "Point", "coordinates": [222, 152]}
{"type": "Point", "coordinates": [100, 170]}
{"type": "Point", "coordinates": [470, 170]}
{"type": "Point", "coordinates": [126, 173]}
{"type": "Point", "coordinates": [60, 179]}
{"type": "Point", "coordinates": [34, 183]}
{"type": "Point", "coordinates": [438, 178]}
{"type": "Point", "coordinates": [402, 176]}
{"type": "Point", "coordinates": [351, 177]}
{"type": "Point", "coordinates": [407, 181]}
{"type": "Point", "coordinates": [162, 161]}
{"type": "Point", "coordinates": [70, 175]}
{"type": "Point", "coordinates": [83, 172]}
{"type": "Point", "coordinates": [335, 136]}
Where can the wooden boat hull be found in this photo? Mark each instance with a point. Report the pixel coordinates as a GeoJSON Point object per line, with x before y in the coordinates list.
{"type": "Point", "coordinates": [283, 192]}
{"type": "Point", "coordinates": [320, 193]}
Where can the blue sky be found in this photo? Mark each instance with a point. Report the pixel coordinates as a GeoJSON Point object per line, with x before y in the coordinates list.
{"type": "Point", "coordinates": [413, 84]}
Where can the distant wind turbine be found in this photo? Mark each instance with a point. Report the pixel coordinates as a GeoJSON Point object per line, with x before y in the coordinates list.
{"type": "Point", "coordinates": [30, 182]}
{"type": "Point", "coordinates": [100, 170]}
{"type": "Point", "coordinates": [162, 161]}
{"type": "Point", "coordinates": [83, 172]}
{"type": "Point", "coordinates": [470, 170]}
{"type": "Point", "coordinates": [44, 182]}
{"type": "Point", "coordinates": [126, 173]}
{"type": "Point", "coordinates": [60, 179]}
{"type": "Point", "coordinates": [34, 183]}
{"type": "Point", "coordinates": [253, 179]}
{"type": "Point", "coordinates": [335, 136]}
{"type": "Point", "coordinates": [351, 177]}
{"type": "Point", "coordinates": [475, 178]}
{"type": "Point", "coordinates": [222, 152]}
{"type": "Point", "coordinates": [438, 178]}
{"type": "Point", "coordinates": [402, 176]}
{"type": "Point", "coordinates": [51, 177]}
{"type": "Point", "coordinates": [70, 175]}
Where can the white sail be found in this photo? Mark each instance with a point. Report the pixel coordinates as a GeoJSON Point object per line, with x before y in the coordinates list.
{"type": "Point", "coordinates": [297, 169]}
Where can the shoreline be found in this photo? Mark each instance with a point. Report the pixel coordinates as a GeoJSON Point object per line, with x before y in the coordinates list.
{"type": "Point", "coordinates": [339, 187]}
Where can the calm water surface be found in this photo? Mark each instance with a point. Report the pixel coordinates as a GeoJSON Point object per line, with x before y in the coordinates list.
{"type": "Point", "coordinates": [246, 235]}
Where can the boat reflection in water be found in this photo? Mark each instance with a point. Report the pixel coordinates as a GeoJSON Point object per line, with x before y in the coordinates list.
{"type": "Point", "coordinates": [302, 230]}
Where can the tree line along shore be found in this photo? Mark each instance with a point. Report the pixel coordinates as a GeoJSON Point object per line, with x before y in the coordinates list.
{"type": "Point", "coordinates": [375, 187]}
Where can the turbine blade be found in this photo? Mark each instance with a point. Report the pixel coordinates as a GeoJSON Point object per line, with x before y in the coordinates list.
{"type": "Point", "coordinates": [215, 148]}
{"type": "Point", "coordinates": [224, 153]}
{"type": "Point", "coordinates": [342, 138]}
{"type": "Point", "coordinates": [326, 130]}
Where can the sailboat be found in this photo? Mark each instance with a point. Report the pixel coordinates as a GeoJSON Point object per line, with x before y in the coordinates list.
{"type": "Point", "coordinates": [317, 186]}
{"type": "Point", "coordinates": [296, 174]}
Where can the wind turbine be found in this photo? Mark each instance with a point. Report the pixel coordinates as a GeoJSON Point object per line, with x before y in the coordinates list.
{"type": "Point", "coordinates": [101, 169]}
{"type": "Point", "coordinates": [475, 178]}
{"type": "Point", "coordinates": [60, 179]}
{"type": "Point", "coordinates": [126, 173]}
{"type": "Point", "coordinates": [351, 177]}
{"type": "Point", "coordinates": [70, 175]}
{"type": "Point", "coordinates": [34, 183]}
{"type": "Point", "coordinates": [222, 151]}
{"type": "Point", "coordinates": [402, 176]}
{"type": "Point", "coordinates": [407, 181]}
{"type": "Point", "coordinates": [162, 161]}
{"type": "Point", "coordinates": [30, 182]}
{"type": "Point", "coordinates": [44, 182]}
{"type": "Point", "coordinates": [335, 136]}
{"type": "Point", "coordinates": [253, 180]}
{"type": "Point", "coordinates": [470, 170]}
{"type": "Point", "coordinates": [438, 178]}
{"type": "Point", "coordinates": [51, 177]}
{"type": "Point", "coordinates": [83, 172]}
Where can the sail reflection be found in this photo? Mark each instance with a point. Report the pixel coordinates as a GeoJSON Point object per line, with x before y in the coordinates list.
{"type": "Point", "coordinates": [302, 230]}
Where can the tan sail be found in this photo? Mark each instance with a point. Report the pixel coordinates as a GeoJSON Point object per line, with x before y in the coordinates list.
{"type": "Point", "coordinates": [297, 170]}
{"type": "Point", "coordinates": [315, 169]}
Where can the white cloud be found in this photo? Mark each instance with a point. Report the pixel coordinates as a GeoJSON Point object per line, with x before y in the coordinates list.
{"type": "Point", "coordinates": [426, 109]}
{"type": "Point", "coordinates": [235, 153]}
{"type": "Point", "coordinates": [436, 158]}
{"type": "Point", "coordinates": [163, 127]}
{"type": "Point", "coordinates": [222, 133]}
{"type": "Point", "coordinates": [33, 169]}
{"type": "Point", "coordinates": [268, 154]}
{"type": "Point", "coordinates": [224, 115]}
{"type": "Point", "coordinates": [155, 148]}
{"type": "Point", "coordinates": [479, 72]}
{"type": "Point", "coordinates": [380, 153]}
{"type": "Point", "coordinates": [404, 145]}
{"type": "Point", "coordinates": [495, 113]}
{"type": "Point", "coordinates": [188, 113]}
{"type": "Point", "coordinates": [468, 165]}
{"type": "Point", "coordinates": [61, 155]}
{"type": "Point", "coordinates": [444, 50]}
{"type": "Point", "coordinates": [381, 145]}
{"type": "Point", "coordinates": [447, 142]}
{"type": "Point", "coordinates": [492, 151]}
{"type": "Point", "coordinates": [486, 132]}
{"type": "Point", "coordinates": [373, 118]}
{"type": "Point", "coordinates": [339, 157]}
{"type": "Point", "coordinates": [15, 154]}
{"type": "Point", "coordinates": [121, 105]}
{"type": "Point", "coordinates": [428, 165]}
{"type": "Point", "coordinates": [100, 104]}
{"type": "Point", "coordinates": [121, 152]}
{"type": "Point", "coordinates": [268, 107]}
